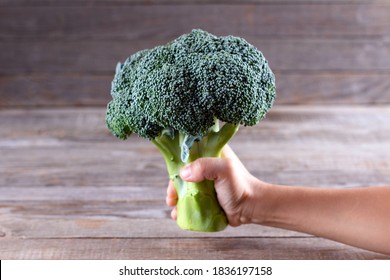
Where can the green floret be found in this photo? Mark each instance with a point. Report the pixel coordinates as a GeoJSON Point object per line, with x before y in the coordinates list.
{"type": "Point", "coordinates": [177, 94]}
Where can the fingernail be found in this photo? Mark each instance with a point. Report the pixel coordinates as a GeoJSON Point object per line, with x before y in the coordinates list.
{"type": "Point", "coordinates": [185, 172]}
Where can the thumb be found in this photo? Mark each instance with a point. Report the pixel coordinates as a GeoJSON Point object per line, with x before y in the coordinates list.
{"type": "Point", "coordinates": [204, 168]}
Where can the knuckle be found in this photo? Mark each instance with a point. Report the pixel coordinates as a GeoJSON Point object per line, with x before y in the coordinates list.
{"type": "Point", "coordinates": [229, 165]}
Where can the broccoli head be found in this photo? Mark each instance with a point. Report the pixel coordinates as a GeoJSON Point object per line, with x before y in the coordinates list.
{"type": "Point", "coordinates": [176, 95]}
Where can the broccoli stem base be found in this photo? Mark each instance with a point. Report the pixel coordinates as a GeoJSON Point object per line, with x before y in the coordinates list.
{"type": "Point", "coordinates": [197, 207]}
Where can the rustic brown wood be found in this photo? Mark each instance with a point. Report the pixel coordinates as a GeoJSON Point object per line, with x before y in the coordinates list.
{"type": "Point", "coordinates": [72, 147]}
{"type": "Point", "coordinates": [341, 87]}
{"type": "Point", "coordinates": [132, 22]}
{"type": "Point", "coordinates": [193, 248]}
{"type": "Point", "coordinates": [62, 53]}
{"type": "Point", "coordinates": [69, 189]}
{"type": "Point", "coordinates": [333, 87]}
{"type": "Point", "coordinates": [45, 89]}
{"type": "Point", "coordinates": [292, 55]}
{"type": "Point", "coordinates": [148, 2]}
{"type": "Point", "coordinates": [132, 224]}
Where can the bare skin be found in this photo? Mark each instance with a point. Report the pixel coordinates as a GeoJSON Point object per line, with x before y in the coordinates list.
{"type": "Point", "coordinates": [359, 217]}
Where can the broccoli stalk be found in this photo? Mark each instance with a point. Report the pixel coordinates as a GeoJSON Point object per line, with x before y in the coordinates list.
{"type": "Point", "coordinates": [175, 95]}
{"type": "Point", "coordinates": [197, 207]}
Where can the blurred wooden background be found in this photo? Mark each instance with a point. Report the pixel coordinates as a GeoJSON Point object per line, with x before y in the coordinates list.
{"type": "Point", "coordinates": [63, 53]}
{"type": "Point", "coordinates": [69, 189]}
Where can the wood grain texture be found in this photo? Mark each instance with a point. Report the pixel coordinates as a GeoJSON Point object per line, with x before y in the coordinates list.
{"type": "Point", "coordinates": [132, 22]}
{"type": "Point", "coordinates": [194, 248]}
{"type": "Point", "coordinates": [109, 226]}
{"type": "Point", "coordinates": [71, 190]}
{"type": "Point", "coordinates": [63, 53]}
{"type": "Point", "coordinates": [319, 88]}
{"type": "Point", "coordinates": [183, 2]}
{"type": "Point", "coordinates": [72, 147]}
{"type": "Point", "coordinates": [294, 55]}
{"type": "Point", "coordinates": [300, 76]}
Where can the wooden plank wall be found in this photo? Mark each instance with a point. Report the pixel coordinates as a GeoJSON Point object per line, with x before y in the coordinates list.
{"type": "Point", "coordinates": [63, 53]}
{"type": "Point", "coordinates": [58, 201]}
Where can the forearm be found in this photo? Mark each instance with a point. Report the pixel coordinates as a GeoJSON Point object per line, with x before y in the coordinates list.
{"type": "Point", "coordinates": [358, 217]}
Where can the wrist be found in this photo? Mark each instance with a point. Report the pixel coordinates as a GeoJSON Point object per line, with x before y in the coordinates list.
{"type": "Point", "coordinates": [257, 204]}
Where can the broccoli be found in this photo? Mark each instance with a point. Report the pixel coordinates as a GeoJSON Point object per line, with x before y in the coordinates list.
{"type": "Point", "coordinates": [189, 98]}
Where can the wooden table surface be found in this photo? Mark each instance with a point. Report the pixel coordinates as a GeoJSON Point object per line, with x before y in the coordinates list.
{"type": "Point", "coordinates": [70, 190]}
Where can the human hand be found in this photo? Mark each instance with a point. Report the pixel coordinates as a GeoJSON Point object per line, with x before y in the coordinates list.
{"type": "Point", "coordinates": [233, 183]}
{"type": "Point", "coordinates": [311, 210]}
